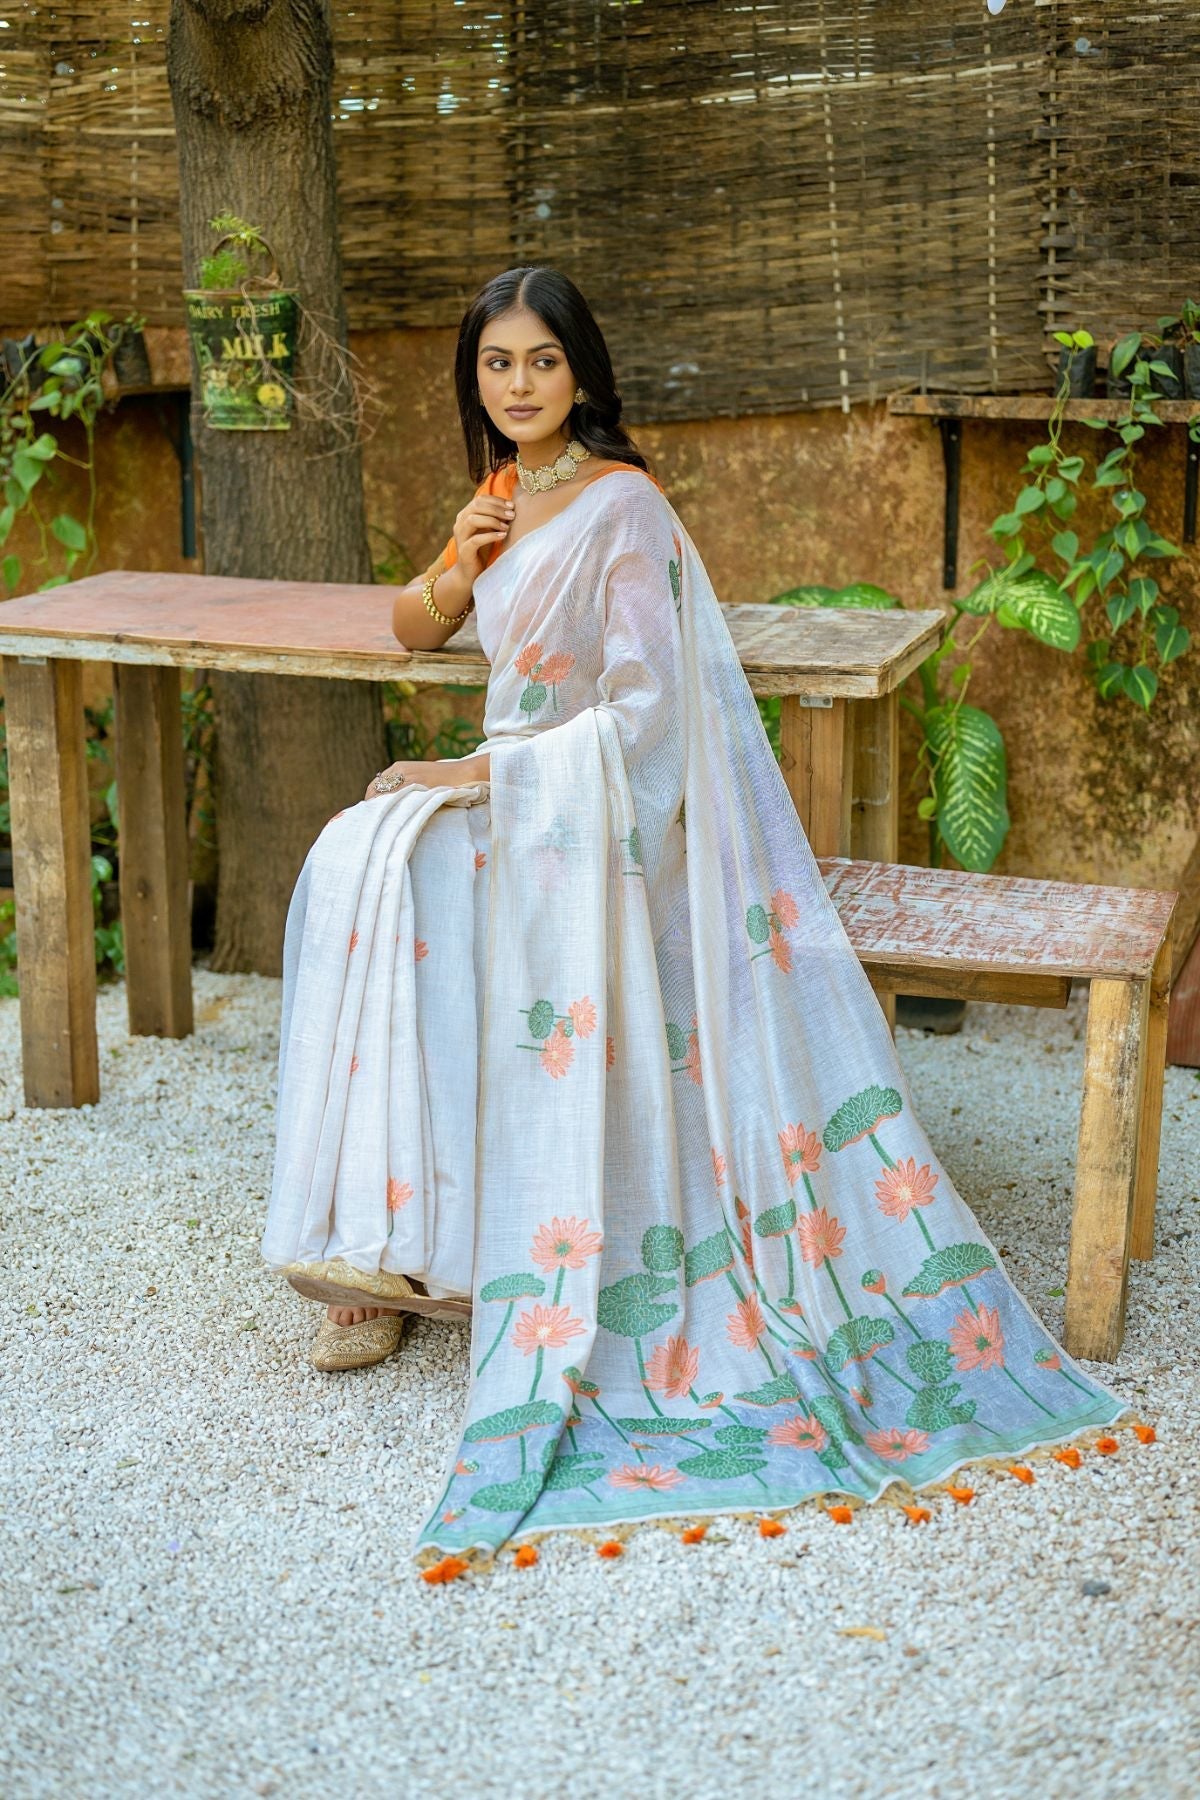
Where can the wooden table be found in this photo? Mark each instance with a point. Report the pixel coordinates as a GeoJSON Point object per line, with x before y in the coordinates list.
{"type": "Point", "coordinates": [837, 672]}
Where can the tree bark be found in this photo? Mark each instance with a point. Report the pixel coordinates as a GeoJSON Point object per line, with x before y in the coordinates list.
{"type": "Point", "coordinates": [251, 87]}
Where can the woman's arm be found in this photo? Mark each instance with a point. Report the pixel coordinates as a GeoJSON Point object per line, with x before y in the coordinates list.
{"type": "Point", "coordinates": [483, 522]}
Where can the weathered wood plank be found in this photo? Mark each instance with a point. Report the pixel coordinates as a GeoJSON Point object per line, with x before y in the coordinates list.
{"type": "Point", "coordinates": [47, 773]}
{"type": "Point", "coordinates": [344, 630]}
{"type": "Point", "coordinates": [812, 745]}
{"type": "Point", "coordinates": [1105, 1168]}
{"type": "Point", "coordinates": [1150, 1123]}
{"type": "Point", "coordinates": [1018, 987]}
{"type": "Point", "coordinates": [154, 851]}
{"type": "Point", "coordinates": [875, 790]}
{"type": "Point", "coordinates": [949, 919]}
{"type": "Point", "coordinates": [1028, 406]}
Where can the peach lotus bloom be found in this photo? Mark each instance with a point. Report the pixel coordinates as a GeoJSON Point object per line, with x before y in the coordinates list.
{"type": "Point", "coordinates": [692, 1062]}
{"type": "Point", "coordinates": [353, 940]}
{"type": "Point", "coordinates": [747, 1230]}
{"type": "Point", "coordinates": [904, 1186]}
{"type": "Point", "coordinates": [978, 1343]}
{"type": "Point", "coordinates": [583, 1017]}
{"type": "Point", "coordinates": [565, 1244]}
{"type": "Point", "coordinates": [646, 1475]}
{"type": "Point", "coordinates": [1047, 1359]}
{"type": "Point", "coordinates": [556, 668]}
{"type": "Point", "coordinates": [528, 658]}
{"type": "Point", "coordinates": [480, 858]}
{"type": "Point", "coordinates": [785, 909]}
{"type": "Point", "coordinates": [781, 954]}
{"type": "Point", "coordinates": [896, 1442]}
{"type": "Point", "coordinates": [719, 1166]}
{"type": "Point", "coordinates": [399, 1193]}
{"type": "Point", "coordinates": [546, 1328]}
{"type": "Point", "coordinates": [820, 1237]}
{"type": "Point", "coordinates": [420, 949]}
{"type": "Point", "coordinates": [610, 1052]}
{"type": "Point", "coordinates": [745, 1324]}
{"type": "Point", "coordinates": [801, 1151]}
{"type": "Point", "coordinates": [673, 1369]}
{"type": "Point", "coordinates": [804, 1432]}
{"type": "Point", "coordinates": [558, 1053]}
{"type": "Point", "coordinates": [355, 1065]}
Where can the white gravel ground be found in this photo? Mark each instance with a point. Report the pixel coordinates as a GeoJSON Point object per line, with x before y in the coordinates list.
{"type": "Point", "coordinates": [203, 1549]}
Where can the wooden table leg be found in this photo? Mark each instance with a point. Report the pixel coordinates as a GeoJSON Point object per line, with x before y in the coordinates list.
{"type": "Point", "coordinates": [1106, 1169]}
{"type": "Point", "coordinates": [52, 883]}
{"type": "Point", "coordinates": [812, 741]}
{"type": "Point", "coordinates": [875, 790]}
{"type": "Point", "coordinates": [1145, 1190]}
{"type": "Point", "coordinates": [154, 851]}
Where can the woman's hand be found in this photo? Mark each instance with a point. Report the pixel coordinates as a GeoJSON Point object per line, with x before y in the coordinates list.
{"type": "Point", "coordinates": [483, 521]}
{"type": "Point", "coordinates": [416, 773]}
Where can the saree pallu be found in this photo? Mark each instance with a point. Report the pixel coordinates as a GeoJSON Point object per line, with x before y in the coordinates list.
{"type": "Point", "coordinates": [589, 1043]}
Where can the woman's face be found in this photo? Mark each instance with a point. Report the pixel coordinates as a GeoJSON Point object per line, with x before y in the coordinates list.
{"type": "Point", "coordinates": [525, 381]}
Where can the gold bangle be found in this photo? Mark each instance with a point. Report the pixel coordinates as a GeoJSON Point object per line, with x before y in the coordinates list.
{"type": "Point", "coordinates": [441, 617]}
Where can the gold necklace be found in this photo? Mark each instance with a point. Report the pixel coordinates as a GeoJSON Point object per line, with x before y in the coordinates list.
{"type": "Point", "coordinates": [540, 480]}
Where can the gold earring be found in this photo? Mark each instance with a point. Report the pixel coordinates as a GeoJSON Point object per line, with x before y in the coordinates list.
{"type": "Point", "coordinates": [580, 396]}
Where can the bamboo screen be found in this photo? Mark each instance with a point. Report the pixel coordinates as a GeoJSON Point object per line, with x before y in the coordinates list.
{"type": "Point", "coordinates": [770, 206]}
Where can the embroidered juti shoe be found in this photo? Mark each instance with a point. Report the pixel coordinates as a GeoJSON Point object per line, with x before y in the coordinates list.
{"type": "Point", "coordinates": [339, 1283]}
{"type": "Point", "coordinates": [356, 1346]}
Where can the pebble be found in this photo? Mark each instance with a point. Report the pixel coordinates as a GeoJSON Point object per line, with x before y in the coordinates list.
{"type": "Point", "coordinates": [204, 1563]}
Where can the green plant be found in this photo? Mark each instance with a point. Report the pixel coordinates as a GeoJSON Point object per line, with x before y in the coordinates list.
{"type": "Point", "coordinates": [1145, 634]}
{"type": "Point", "coordinates": [63, 380]}
{"type": "Point", "coordinates": [228, 265]}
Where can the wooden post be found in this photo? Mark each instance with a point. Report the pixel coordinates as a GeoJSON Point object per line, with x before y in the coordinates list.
{"type": "Point", "coordinates": [1150, 1127]}
{"type": "Point", "coordinates": [154, 851]}
{"type": "Point", "coordinates": [875, 791]}
{"type": "Point", "coordinates": [1106, 1168]}
{"type": "Point", "coordinates": [52, 884]}
{"type": "Point", "coordinates": [812, 741]}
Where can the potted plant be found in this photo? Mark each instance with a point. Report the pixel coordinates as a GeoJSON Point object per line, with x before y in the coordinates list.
{"type": "Point", "coordinates": [1076, 364]}
{"type": "Point", "coordinates": [1164, 363]}
{"type": "Point", "coordinates": [1182, 332]}
{"type": "Point", "coordinates": [243, 328]}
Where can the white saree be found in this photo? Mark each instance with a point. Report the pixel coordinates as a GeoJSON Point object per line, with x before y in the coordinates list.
{"type": "Point", "coordinates": [588, 1043]}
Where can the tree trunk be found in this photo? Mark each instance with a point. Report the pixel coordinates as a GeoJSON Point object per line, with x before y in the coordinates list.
{"type": "Point", "coordinates": [251, 87]}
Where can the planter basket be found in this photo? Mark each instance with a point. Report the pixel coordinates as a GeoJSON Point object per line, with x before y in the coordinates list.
{"type": "Point", "coordinates": [244, 343]}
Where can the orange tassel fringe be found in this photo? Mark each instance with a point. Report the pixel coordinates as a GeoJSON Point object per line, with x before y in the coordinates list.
{"type": "Point", "coordinates": [769, 1528]}
{"type": "Point", "coordinates": [525, 1557]}
{"type": "Point", "coordinates": [841, 1515]}
{"type": "Point", "coordinates": [920, 1515]}
{"type": "Point", "coordinates": [611, 1548]}
{"type": "Point", "coordinates": [695, 1534]}
{"type": "Point", "coordinates": [449, 1569]}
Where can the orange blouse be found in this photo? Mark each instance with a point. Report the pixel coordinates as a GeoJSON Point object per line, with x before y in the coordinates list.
{"type": "Point", "coordinates": [501, 483]}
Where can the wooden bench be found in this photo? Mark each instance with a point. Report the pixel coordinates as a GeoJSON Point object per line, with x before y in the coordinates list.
{"type": "Point", "coordinates": [838, 675]}
{"type": "Point", "coordinates": [989, 937]}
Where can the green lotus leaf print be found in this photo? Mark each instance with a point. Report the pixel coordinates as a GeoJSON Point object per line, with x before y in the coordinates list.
{"type": "Point", "coordinates": [533, 695]}
{"type": "Point", "coordinates": [627, 1307]}
{"type": "Point", "coordinates": [932, 1408]}
{"type": "Point", "coordinates": [720, 1465]}
{"type": "Point", "coordinates": [513, 1421]}
{"type": "Point", "coordinates": [635, 845]}
{"type": "Point", "coordinates": [574, 1471]}
{"type": "Point", "coordinates": [513, 1287]}
{"type": "Point", "coordinates": [661, 1427]}
{"type": "Point", "coordinates": [749, 1436]}
{"type": "Point", "coordinates": [676, 1042]}
{"type": "Point", "coordinates": [662, 1248]}
{"type": "Point", "coordinates": [675, 571]}
{"type": "Point", "coordinates": [949, 1267]}
{"type": "Point", "coordinates": [832, 1415]}
{"type": "Point", "coordinates": [777, 1221]}
{"type": "Point", "coordinates": [858, 1339]}
{"type": "Point", "coordinates": [580, 1383]}
{"type": "Point", "coordinates": [772, 1393]}
{"type": "Point", "coordinates": [510, 1496]}
{"type": "Point", "coordinates": [860, 1114]}
{"type": "Point", "coordinates": [929, 1360]}
{"type": "Point", "coordinates": [541, 1019]}
{"type": "Point", "coordinates": [757, 924]}
{"type": "Point", "coordinates": [711, 1256]}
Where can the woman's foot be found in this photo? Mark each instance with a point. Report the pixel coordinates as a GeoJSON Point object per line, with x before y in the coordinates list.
{"type": "Point", "coordinates": [367, 1336]}
{"type": "Point", "coordinates": [351, 1315]}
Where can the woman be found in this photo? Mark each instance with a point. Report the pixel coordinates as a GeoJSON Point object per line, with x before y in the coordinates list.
{"type": "Point", "coordinates": [573, 1039]}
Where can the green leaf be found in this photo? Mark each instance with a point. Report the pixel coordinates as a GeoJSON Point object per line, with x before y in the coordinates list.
{"type": "Point", "coordinates": [860, 1114]}
{"type": "Point", "coordinates": [720, 1465]}
{"type": "Point", "coordinates": [833, 1456]}
{"type": "Point", "coordinates": [1071, 467]}
{"type": "Point", "coordinates": [931, 1409]}
{"type": "Point", "coordinates": [1129, 502]}
{"type": "Point", "coordinates": [1143, 591]}
{"type": "Point", "coordinates": [1065, 545]}
{"type": "Point", "coordinates": [1109, 569]}
{"type": "Point", "coordinates": [1141, 685]}
{"type": "Point", "coordinates": [511, 1496]}
{"type": "Point", "coordinates": [43, 448]}
{"type": "Point", "coordinates": [27, 470]}
{"type": "Point", "coordinates": [782, 1390]}
{"type": "Point", "coordinates": [1056, 487]}
{"type": "Point", "coordinates": [758, 925]}
{"type": "Point", "coordinates": [533, 695]}
{"type": "Point", "coordinates": [12, 570]}
{"type": "Point", "coordinates": [1156, 547]}
{"type": "Point", "coordinates": [970, 779]}
{"type": "Point", "coordinates": [626, 1307]}
{"type": "Point", "coordinates": [929, 1360]}
{"type": "Point", "coordinates": [1120, 609]}
{"type": "Point", "coordinates": [1038, 605]}
{"type": "Point", "coordinates": [811, 595]}
{"type": "Point", "coordinates": [580, 1382]}
{"type": "Point", "coordinates": [512, 1421]}
{"type": "Point", "coordinates": [749, 1436]}
{"type": "Point", "coordinates": [657, 1426]}
{"type": "Point", "coordinates": [1110, 680]}
{"type": "Point", "coordinates": [1171, 639]}
{"type": "Point", "coordinates": [1007, 525]}
{"type": "Point", "coordinates": [1124, 352]}
{"type": "Point", "coordinates": [573, 1470]}
{"type": "Point", "coordinates": [865, 594]}
{"type": "Point", "coordinates": [1063, 507]}
{"type": "Point", "coordinates": [857, 1340]}
{"type": "Point", "coordinates": [1029, 500]}
{"type": "Point", "coordinates": [777, 1221]}
{"type": "Point", "coordinates": [69, 531]}
{"type": "Point", "coordinates": [927, 807]}
{"type": "Point", "coordinates": [635, 846]}
{"type": "Point", "coordinates": [712, 1256]}
{"type": "Point", "coordinates": [7, 515]}
{"type": "Point", "coordinates": [676, 1043]}
{"type": "Point", "coordinates": [662, 1248]}
{"type": "Point", "coordinates": [513, 1287]}
{"type": "Point", "coordinates": [949, 1267]}
{"type": "Point", "coordinates": [1042, 454]}
{"type": "Point", "coordinates": [541, 1019]}
{"type": "Point", "coordinates": [829, 1409]}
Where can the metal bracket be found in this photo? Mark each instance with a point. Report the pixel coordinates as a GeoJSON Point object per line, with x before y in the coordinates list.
{"type": "Point", "coordinates": [815, 699]}
{"type": "Point", "coordinates": [1191, 470]}
{"type": "Point", "coordinates": [951, 430]}
{"type": "Point", "coordinates": [181, 443]}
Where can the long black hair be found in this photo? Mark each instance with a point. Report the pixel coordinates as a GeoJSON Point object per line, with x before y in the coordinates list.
{"type": "Point", "coordinates": [596, 421]}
